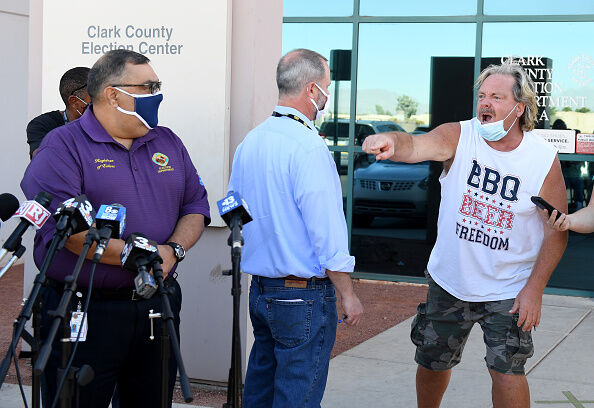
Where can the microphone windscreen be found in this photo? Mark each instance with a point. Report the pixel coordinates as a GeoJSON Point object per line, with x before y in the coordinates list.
{"type": "Point", "coordinates": [8, 205]}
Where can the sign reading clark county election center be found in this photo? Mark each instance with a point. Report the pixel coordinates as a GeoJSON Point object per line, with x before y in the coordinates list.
{"type": "Point", "coordinates": [189, 45]}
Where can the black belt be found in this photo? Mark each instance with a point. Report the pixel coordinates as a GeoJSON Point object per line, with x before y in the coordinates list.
{"type": "Point", "coordinates": [101, 293]}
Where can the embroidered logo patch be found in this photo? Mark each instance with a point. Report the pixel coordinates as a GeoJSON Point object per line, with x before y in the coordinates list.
{"type": "Point", "coordinates": [160, 159]}
{"type": "Point", "coordinates": [104, 164]}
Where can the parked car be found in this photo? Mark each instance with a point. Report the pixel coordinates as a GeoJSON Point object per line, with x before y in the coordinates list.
{"type": "Point", "coordinates": [363, 128]}
{"type": "Point", "coordinates": [388, 189]}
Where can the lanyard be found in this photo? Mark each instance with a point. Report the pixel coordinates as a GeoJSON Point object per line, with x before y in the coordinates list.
{"type": "Point", "coordinates": [291, 116]}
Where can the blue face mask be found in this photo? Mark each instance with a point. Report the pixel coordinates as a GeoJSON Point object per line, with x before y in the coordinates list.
{"type": "Point", "coordinates": [493, 131]}
{"type": "Point", "coordinates": [146, 107]}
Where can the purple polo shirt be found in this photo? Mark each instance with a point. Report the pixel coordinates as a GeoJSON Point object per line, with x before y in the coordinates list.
{"type": "Point", "coordinates": [155, 180]}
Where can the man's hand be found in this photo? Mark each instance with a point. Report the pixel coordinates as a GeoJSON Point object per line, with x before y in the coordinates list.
{"type": "Point", "coordinates": [169, 258]}
{"type": "Point", "coordinates": [379, 144]}
{"type": "Point", "coordinates": [528, 303]}
{"type": "Point", "coordinates": [352, 308]}
{"type": "Point", "coordinates": [351, 305]}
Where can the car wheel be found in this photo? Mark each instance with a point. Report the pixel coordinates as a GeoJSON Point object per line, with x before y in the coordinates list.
{"type": "Point", "coordinates": [362, 220]}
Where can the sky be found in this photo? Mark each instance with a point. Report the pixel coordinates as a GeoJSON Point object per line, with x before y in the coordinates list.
{"type": "Point", "coordinates": [317, 8]}
{"type": "Point", "coordinates": [396, 57]}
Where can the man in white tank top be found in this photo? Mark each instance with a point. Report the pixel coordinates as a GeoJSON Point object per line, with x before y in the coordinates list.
{"type": "Point", "coordinates": [493, 256]}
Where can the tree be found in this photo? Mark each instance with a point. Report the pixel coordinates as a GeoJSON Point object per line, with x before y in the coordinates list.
{"type": "Point", "coordinates": [379, 110]}
{"type": "Point", "coordinates": [567, 109]}
{"type": "Point", "coordinates": [583, 110]}
{"type": "Point", "coordinates": [408, 105]}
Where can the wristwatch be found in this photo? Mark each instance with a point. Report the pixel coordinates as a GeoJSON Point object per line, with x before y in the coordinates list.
{"type": "Point", "coordinates": [178, 251]}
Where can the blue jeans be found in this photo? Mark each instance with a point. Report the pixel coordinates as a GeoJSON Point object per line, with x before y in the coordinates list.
{"type": "Point", "coordinates": [294, 331]}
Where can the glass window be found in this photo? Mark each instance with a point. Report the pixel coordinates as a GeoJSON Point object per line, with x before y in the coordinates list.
{"type": "Point", "coordinates": [417, 8]}
{"type": "Point", "coordinates": [395, 204]}
{"type": "Point", "coordinates": [562, 64]}
{"type": "Point", "coordinates": [395, 71]}
{"type": "Point", "coordinates": [539, 7]}
{"type": "Point", "coordinates": [316, 8]}
{"type": "Point", "coordinates": [326, 38]}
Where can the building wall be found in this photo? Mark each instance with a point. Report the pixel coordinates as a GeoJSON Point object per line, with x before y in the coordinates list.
{"type": "Point", "coordinates": [207, 304]}
{"type": "Point", "coordinates": [13, 104]}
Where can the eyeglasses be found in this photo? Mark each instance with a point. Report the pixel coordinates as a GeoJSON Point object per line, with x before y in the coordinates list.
{"type": "Point", "coordinates": [153, 87]}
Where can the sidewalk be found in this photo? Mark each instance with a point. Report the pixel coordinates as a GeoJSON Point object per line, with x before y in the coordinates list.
{"type": "Point", "coordinates": [381, 372]}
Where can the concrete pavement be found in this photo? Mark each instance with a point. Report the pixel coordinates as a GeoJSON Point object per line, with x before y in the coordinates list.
{"type": "Point", "coordinates": [381, 371]}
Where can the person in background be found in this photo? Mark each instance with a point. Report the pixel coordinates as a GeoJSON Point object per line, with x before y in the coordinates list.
{"type": "Point", "coordinates": [73, 90]}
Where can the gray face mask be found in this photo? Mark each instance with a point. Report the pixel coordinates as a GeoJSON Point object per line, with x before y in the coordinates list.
{"type": "Point", "coordinates": [493, 131]}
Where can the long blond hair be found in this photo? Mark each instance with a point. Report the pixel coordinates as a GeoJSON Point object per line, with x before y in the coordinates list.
{"type": "Point", "coordinates": [523, 90]}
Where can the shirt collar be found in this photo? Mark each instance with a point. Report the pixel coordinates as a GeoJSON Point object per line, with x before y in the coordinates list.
{"type": "Point", "coordinates": [95, 131]}
{"type": "Point", "coordinates": [285, 109]}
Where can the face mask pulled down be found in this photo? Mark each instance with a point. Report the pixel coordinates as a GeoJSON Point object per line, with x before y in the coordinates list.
{"type": "Point", "coordinates": [495, 131]}
{"type": "Point", "coordinates": [146, 107]}
{"type": "Point", "coordinates": [321, 112]}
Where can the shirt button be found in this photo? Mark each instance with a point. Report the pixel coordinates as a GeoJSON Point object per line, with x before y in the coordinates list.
{"type": "Point", "coordinates": [136, 168]}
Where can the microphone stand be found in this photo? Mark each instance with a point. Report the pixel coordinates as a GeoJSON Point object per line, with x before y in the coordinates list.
{"type": "Point", "coordinates": [168, 333]}
{"type": "Point", "coordinates": [235, 241]}
{"type": "Point", "coordinates": [85, 374]}
{"type": "Point", "coordinates": [63, 231]}
{"type": "Point", "coordinates": [16, 255]}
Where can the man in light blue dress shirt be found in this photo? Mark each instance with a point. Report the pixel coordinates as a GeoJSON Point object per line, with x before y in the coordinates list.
{"type": "Point", "coordinates": [296, 248]}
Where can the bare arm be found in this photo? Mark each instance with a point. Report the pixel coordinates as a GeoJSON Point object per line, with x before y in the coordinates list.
{"type": "Point", "coordinates": [581, 221]}
{"type": "Point", "coordinates": [439, 145]}
{"type": "Point", "coordinates": [187, 231]}
{"type": "Point", "coordinates": [529, 300]}
{"type": "Point", "coordinates": [351, 305]}
{"type": "Point", "coordinates": [111, 256]}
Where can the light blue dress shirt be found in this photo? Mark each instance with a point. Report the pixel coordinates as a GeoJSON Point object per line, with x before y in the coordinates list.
{"type": "Point", "coordinates": [286, 175]}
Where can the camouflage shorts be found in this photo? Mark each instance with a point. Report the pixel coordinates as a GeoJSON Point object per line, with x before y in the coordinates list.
{"type": "Point", "coordinates": [443, 323]}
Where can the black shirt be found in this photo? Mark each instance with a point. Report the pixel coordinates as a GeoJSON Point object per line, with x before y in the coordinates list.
{"type": "Point", "coordinates": [41, 126]}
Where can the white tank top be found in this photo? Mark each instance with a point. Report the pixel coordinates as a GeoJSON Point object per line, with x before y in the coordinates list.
{"type": "Point", "coordinates": [489, 232]}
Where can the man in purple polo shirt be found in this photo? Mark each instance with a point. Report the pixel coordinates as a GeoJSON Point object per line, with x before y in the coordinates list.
{"type": "Point", "coordinates": [116, 153]}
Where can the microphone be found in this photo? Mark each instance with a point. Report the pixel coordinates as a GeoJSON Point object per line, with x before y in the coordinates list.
{"type": "Point", "coordinates": [8, 205]}
{"type": "Point", "coordinates": [73, 216]}
{"type": "Point", "coordinates": [111, 222]}
{"type": "Point", "coordinates": [236, 214]}
{"type": "Point", "coordinates": [231, 206]}
{"type": "Point", "coordinates": [32, 213]}
{"type": "Point", "coordinates": [138, 252]}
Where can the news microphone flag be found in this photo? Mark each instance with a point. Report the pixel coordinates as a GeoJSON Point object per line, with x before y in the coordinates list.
{"type": "Point", "coordinates": [32, 213]}
{"type": "Point", "coordinates": [231, 205]}
{"type": "Point", "coordinates": [79, 213]}
{"type": "Point", "coordinates": [134, 257]}
{"type": "Point", "coordinates": [113, 216]}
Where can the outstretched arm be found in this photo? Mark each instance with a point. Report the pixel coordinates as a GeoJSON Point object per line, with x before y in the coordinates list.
{"type": "Point", "coordinates": [439, 145]}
